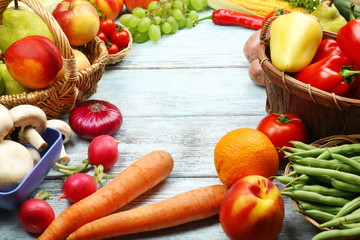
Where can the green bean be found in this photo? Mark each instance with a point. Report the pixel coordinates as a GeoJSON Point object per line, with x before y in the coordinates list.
{"type": "Point", "coordinates": [344, 176]}
{"type": "Point", "coordinates": [318, 215]}
{"type": "Point", "coordinates": [293, 149]}
{"type": "Point", "coordinates": [325, 152]}
{"type": "Point", "coordinates": [302, 195]}
{"type": "Point", "coordinates": [349, 207]}
{"type": "Point", "coordinates": [346, 160]}
{"type": "Point", "coordinates": [318, 206]}
{"type": "Point", "coordinates": [351, 218]}
{"type": "Point", "coordinates": [341, 185]}
{"type": "Point", "coordinates": [338, 234]}
{"type": "Point", "coordinates": [320, 163]}
{"type": "Point", "coordinates": [302, 145]}
{"type": "Point", "coordinates": [349, 225]}
{"type": "Point", "coordinates": [321, 190]}
{"type": "Point", "coordinates": [292, 180]}
{"type": "Point", "coordinates": [347, 149]}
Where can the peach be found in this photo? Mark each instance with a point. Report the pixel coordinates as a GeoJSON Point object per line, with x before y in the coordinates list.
{"type": "Point", "coordinates": [110, 8]}
{"type": "Point", "coordinates": [252, 209]}
{"type": "Point", "coordinates": [34, 61]}
{"type": "Point", "coordinates": [78, 19]}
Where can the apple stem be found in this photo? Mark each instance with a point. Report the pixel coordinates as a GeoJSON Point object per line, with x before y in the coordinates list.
{"type": "Point", "coordinates": [16, 7]}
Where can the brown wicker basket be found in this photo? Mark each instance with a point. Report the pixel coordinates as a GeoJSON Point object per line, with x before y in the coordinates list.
{"type": "Point", "coordinates": [60, 97]}
{"type": "Point", "coordinates": [116, 58]}
{"type": "Point", "coordinates": [324, 113]}
{"type": "Point", "coordinates": [329, 141]}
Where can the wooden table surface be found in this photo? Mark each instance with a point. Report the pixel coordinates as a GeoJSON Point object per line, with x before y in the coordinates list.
{"type": "Point", "coordinates": [181, 95]}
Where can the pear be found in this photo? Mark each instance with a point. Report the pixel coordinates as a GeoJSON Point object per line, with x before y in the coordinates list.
{"type": "Point", "coordinates": [329, 17]}
{"type": "Point", "coordinates": [11, 86]}
{"type": "Point", "coordinates": [2, 85]}
{"type": "Point", "coordinates": [17, 23]}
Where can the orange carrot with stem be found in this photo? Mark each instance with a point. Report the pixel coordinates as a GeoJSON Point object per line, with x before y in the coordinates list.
{"type": "Point", "coordinates": [183, 208]}
{"type": "Point", "coordinates": [130, 183]}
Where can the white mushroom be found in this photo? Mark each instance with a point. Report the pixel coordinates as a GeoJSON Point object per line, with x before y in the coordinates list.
{"type": "Point", "coordinates": [29, 123]}
{"type": "Point", "coordinates": [66, 133]}
{"type": "Point", "coordinates": [15, 163]}
{"type": "Point", "coordinates": [34, 154]}
{"type": "Point", "coordinates": [6, 122]}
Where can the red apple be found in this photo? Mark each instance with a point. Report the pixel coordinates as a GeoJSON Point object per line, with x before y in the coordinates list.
{"type": "Point", "coordinates": [253, 208]}
{"type": "Point", "coordinates": [78, 19]}
{"type": "Point", "coordinates": [110, 8]}
{"type": "Point", "coordinates": [34, 61]}
{"type": "Point", "coordinates": [131, 4]}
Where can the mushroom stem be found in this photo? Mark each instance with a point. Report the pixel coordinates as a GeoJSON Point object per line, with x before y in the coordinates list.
{"type": "Point", "coordinates": [63, 158]}
{"type": "Point", "coordinates": [35, 139]}
{"type": "Point", "coordinates": [34, 154]}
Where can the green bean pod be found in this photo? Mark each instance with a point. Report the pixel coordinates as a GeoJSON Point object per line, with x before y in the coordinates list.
{"type": "Point", "coordinates": [287, 180]}
{"type": "Point", "coordinates": [302, 145]}
{"type": "Point", "coordinates": [341, 185]}
{"type": "Point", "coordinates": [318, 206]}
{"type": "Point", "coordinates": [349, 207]}
{"type": "Point", "coordinates": [346, 177]}
{"type": "Point", "coordinates": [338, 234]}
{"type": "Point", "coordinates": [346, 160]}
{"type": "Point", "coordinates": [318, 215]}
{"type": "Point", "coordinates": [302, 195]}
{"type": "Point", "coordinates": [329, 164]}
{"type": "Point", "coordinates": [351, 218]}
{"type": "Point", "coordinates": [321, 190]}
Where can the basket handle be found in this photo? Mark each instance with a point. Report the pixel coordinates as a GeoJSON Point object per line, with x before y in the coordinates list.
{"type": "Point", "coordinates": [70, 72]}
{"type": "Point", "coordinates": [265, 29]}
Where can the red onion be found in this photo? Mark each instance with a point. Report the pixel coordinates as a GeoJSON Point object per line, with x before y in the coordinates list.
{"type": "Point", "coordinates": [92, 118]}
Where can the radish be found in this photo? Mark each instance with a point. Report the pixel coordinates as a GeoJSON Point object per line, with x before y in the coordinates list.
{"type": "Point", "coordinates": [103, 150]}
{"type": "Point", "coordinates": [35, 214]}
{"type": "Point", "coordinates": [78, 186]}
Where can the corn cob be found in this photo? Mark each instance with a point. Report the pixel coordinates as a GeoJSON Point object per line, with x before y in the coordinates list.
{"type": "Point", "coordinates": [254, 7]}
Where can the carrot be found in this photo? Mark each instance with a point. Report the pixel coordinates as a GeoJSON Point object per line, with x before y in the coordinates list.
{"type": "Point", "coordinates": [183, 208]}
{"type": "Point", "coordinates": [130, 183]}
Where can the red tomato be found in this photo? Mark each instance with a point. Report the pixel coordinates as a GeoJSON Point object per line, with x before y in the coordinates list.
{"type": "Point", "coordinates": [120, 37]}
{"type": "Point", "coordinates": [102, 36]}
{"type": "Point", "coordinates": [107, 26]}
{"type": "Point", "coordinates": [281, 128]}
{"type": "Point", "coordinates": [275, 13]}
{"type": "Point", "coordinates": [112, 48]}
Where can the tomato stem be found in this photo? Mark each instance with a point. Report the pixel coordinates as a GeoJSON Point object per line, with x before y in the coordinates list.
{"type": "Point", "coordinates": [283, 118]}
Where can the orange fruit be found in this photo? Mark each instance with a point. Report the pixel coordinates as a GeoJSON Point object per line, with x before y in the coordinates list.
{"type": "Point", "coordinates": [244, 152]}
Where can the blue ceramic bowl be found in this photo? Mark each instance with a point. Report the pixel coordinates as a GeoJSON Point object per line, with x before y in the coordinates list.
{"type": "Point", "coordinates": [11, 200]}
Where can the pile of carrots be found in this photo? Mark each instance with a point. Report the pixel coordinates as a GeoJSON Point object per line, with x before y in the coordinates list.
{"type": "Point", "coordinates": [94, 217]}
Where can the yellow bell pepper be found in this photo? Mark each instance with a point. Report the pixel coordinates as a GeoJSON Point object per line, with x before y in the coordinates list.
{"type": "Point", "coordinates": [294, 39]}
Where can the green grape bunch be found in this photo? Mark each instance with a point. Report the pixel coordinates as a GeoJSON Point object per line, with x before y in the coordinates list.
{"type": "Point", "coordinates": [161, 17]}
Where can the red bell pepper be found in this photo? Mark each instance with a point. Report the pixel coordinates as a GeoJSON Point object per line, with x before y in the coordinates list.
{"type": "Point", "coordinates": [348, 38]}
{"type": "Point", "coordinates": [326, 48]}
{"type": "Point", "coordinates": [331, 74]}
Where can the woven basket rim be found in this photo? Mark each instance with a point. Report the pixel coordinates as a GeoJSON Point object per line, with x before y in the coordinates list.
{"type": "Point", "coordinates": [295, 86]}
{"type": "Point", "coordinates": [115, 58]}
{"type": "Point", "coordinates": [324, 142]}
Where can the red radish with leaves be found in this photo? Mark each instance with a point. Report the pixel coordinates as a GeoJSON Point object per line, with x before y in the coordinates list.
{"type": "Point", "coordinates": [78, 186]}
{"type": "Point", "coordinates": [92, 118]}
{"type": "Point", "coordinates": [35, 214]}
{"type": "Point", "coordinates": [103, 150]}
{"type": "Point", "coordinates": [281, 128]}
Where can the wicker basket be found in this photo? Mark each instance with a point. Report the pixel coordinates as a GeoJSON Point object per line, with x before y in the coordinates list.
{"type": "Point", "coordinates": [115, 58]}
{"type": "Point", "coordinates": [324, 113]}
{"type": "Point", "coordinates": [329, 141]}
{"type": "Point", "coordinates": [60, 97]}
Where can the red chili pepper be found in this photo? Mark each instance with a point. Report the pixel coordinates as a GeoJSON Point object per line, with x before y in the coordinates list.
{"type": "Point", "coordinates": [228, 17]}
{"type": "Point", "coordinates": [348, 38]}
{"type": "Point", "coordinates": [331, 74]}
{"type": "Point", "coordinates": [326, 48]}
{"type": "Point", "coordinates": [277, 12]}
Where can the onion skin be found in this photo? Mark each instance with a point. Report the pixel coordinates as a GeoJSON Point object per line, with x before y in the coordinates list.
{"type": "Point", "coordinates": [93, 118]}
